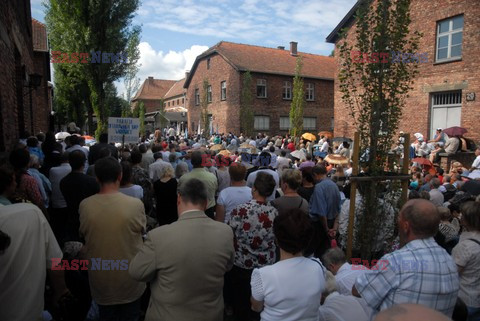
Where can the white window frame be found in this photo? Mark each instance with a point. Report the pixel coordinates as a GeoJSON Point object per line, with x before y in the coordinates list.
{"type": "Point", "coordinates": [314, 127]}
{"type": "Point", "coordinates": [448, 100]}
{"type": "Point", "coordinates": [310, 92]}
{"type": "Point", "coordinates": [287, 90]}
{"type": "Point", "coordinates": [197, 97]}
{"type": "Point", "coordinates": [261, 122]}
{"type": "Point", "coordinates": [262, 83]}
{"type": "Point", "coordinates": [209, 94]}
{"type": "Point", "coordinates": [282, 121]}
{"type": "Point", "coordinates": [448, 33]}
{"type": "Point", "coordinates": [223, 90]}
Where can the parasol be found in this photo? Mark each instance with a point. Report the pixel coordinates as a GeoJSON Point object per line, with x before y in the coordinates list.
{"type": "Point", "coordinates": [326, 134]}
{"type": "Point", "coordinates": [309, 136]}
{"type": "Point", "coordinates": [336, 159]}
{"type": "Point", "coordinates": [62, 135]}
{"type": "Point", "coordinates": [224, 152]}
{"type": "Point", "coordinates": [298, 154]}
{"type": "Point", "coordinates": [455, 131]}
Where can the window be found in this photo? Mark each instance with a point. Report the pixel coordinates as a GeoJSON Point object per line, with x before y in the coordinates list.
{"type": "Point", "coordinates": [309, 123]}
{"type": "Point", "coordinates": [168, 104]}
{"type": "Point", "coordinates": [164, 104]}
{"type": "Point", "coordinates": [209, 93]}
{"type": "Point", "coordinates": [173, 102]}
{"type": "Point", "coordinates": [261, 88]}
{"type": "Point", "coordinates": [310, 93]}
{"type": "Point", "coordinates": [178, 101]}
{"type": "Point", "coordinates": [446, 110]}
{"type": "Point", "coordinates": [223, 90]}
{"type": "Point", "coordinates": [261, 123]}
{"type": "Point", "coordinates": [287, 90]}
{"type": "Point", "coordinates": [208, 63]}
{"type": "Point", "coordinates": [449, 39]}
{"type": "Point", "coordinates": [183, 100]}
{"type": "Point", "coordinates": [284, 123]}
{"type": "Point", "coordinates": [197, 97]}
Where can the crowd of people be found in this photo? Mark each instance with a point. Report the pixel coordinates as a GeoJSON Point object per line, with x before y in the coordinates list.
{"type": "Point", "coordinates": [227, 228]}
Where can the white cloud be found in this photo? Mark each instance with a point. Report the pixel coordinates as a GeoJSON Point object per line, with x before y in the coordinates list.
{"type": "Point", "coordinates": [251, 21]}
{"type": "Point", "coordinates": [170, 65]}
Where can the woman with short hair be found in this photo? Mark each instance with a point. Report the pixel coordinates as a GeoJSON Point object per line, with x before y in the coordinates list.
{"type": "Point", "coordinates": [291, 181]}
{"type": "Point", "coordinates": [252, 225]}
{"type": "Point", "coordinates": [467, 256]}
{"type": "Point", "coordinates": [290, 289]}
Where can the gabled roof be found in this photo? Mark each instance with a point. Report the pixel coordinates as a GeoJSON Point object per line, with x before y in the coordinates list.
{"type": "Point", "coordinates": [176, 89]}
{"type": "Point", "coordinates": [153, 89]}
{"type": "Point", "coordinates": [268, 60]}
{"type": "Point", "coordinates": [39, 31]}
{"type": "Point", "coordinates": [349, 17]}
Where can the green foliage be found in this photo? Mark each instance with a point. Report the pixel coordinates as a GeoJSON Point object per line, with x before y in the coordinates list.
{"type": "Point", "coordinates": [247, 117]}
{"type": "Point", "coordinates": [141, 115]}
{"type": "Point", "coordinates": [298, 101]}
{"type": "Point", "coordinates": [204, 109]}
{"type": "Point", "coordinates": [131, 81]}
{"type": "Point", "coordinates": [94, 25]}
{"type": "Point", "coordinates": [375, 94]}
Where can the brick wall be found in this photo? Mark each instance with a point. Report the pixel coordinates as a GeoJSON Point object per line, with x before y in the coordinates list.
{"type": "Point", "coordinates": [459, 75]}
{"type": "Point", "coordinates": [41, 100]}
{"type": "Point", "coordinates": [227, 113]}
{"type": "Point", "coordinates": [16, 59]}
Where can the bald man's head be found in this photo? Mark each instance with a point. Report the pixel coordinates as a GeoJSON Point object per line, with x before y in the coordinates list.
{"type": "Point", "coordinates": [422, 216]}
{"type": "Point", "coordinates": [410, 312]}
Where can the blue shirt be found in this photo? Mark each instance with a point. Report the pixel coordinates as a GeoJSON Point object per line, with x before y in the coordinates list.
{"type": "Point", "coordinates": [421, 272]}
{"type": "Point", "coordinates": [325, 200]}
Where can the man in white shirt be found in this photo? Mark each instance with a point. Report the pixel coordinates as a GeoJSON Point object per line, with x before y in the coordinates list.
{"type": "Point", "coordinates": [238, 193]}
{"type": "Point", "coordinates": [264, 160]}
{"type": "Point", "coordinates": [475, 169]}
{"type": "Point", "coordinates": [336, 306]}
{"type": "Point", "coordinates": [345, 274]}
{"type": "Point", "coordinates": [436, 197]}
{"type": "Point", "coordinates": [75, 145]}
{"type": "Point", "coordinates": [283, 161]}
{"type": "Point", "coordinates": [24, 264]}
{"type": "Point", "coordinates": [59, 211]}
{"type": "Point", "coordinates": [155, 170]}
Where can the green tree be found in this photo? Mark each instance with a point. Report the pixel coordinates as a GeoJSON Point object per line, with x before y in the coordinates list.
{"type": "Point", "coordinates": [298, 101]}
{"type": "Point", "coordinates": [131, 81]}
{"type": "Point", "coordinates": [204, 109]}
{"type": "Point", "coordinates": [97, 27]}
{"type": "Point", "coordinates": [141, 116]}
{"type": "Point", "coordinates": [375, 93]}
{"type": "Point", "coordinates": [247, 117]}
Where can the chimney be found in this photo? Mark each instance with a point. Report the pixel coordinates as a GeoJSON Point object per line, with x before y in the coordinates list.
{"type": "Point", "coordinates": [187, 73]}
{"type": "Point", "coordinates": [293, 48]}
{"type": "Point", "coordinates": [150, 80]}
{"type": "Point", "coordinates": [281, 47]}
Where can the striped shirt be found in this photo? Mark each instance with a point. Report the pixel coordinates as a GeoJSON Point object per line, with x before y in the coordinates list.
{"type": "Point", "coordinates": [421, 273]}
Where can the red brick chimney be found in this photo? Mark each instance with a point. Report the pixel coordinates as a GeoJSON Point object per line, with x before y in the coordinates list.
{"type": "Point", "coordinates": [150, 80]}
{"type": "Point", "coordinates": [293, 48]}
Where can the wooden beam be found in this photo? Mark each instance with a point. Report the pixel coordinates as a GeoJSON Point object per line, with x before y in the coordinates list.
{"type": "Point", "coordinates": [353, 193]}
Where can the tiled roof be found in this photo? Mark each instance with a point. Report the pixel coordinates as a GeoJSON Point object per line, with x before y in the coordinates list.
{"type": "Point", "coordinates": [153, 89]}
{"type": "Point", "coordinates": [39, 30]}
{"type": "Point", "coordinates": [333, 36]}
{"type": "Point", "coordinates": [176, 89]}
{"type": "Point", "coordinates": [269, 60]}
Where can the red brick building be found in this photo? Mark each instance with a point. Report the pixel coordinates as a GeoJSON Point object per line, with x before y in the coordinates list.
{"type": "Point", "coordinates": [175, 96]}
{"type": "Point", "coordinates": [272, 70]}
{"type": "Point", "coordinates": [42, 98]}
{"type": "Point", "coordinates": [152, 93]}
{"type": "Point", "coordinates": [16, 59]}
{"type": "Point", "coordinates": [446, 89]}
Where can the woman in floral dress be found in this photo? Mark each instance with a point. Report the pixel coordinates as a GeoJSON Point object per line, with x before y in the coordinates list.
{"type": "Point", "coordinates": [252, 225]}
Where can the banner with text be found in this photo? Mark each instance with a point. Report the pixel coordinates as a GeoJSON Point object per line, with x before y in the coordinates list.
{"type": "Point", "coordinates": [118, 127]}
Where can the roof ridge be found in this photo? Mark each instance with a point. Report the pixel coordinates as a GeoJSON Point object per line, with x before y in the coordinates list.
{"type": "Point", "coordinates": [272, 48]}
{"type": "Point", "coordinates": [36, 21]}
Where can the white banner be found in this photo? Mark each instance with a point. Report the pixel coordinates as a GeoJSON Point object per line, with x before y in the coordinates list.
{"type": "Point", "coordinates": [120, 127]}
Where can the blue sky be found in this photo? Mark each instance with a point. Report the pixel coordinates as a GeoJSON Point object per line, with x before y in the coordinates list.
{"type": "Point", "coordinates": [174, 32]}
